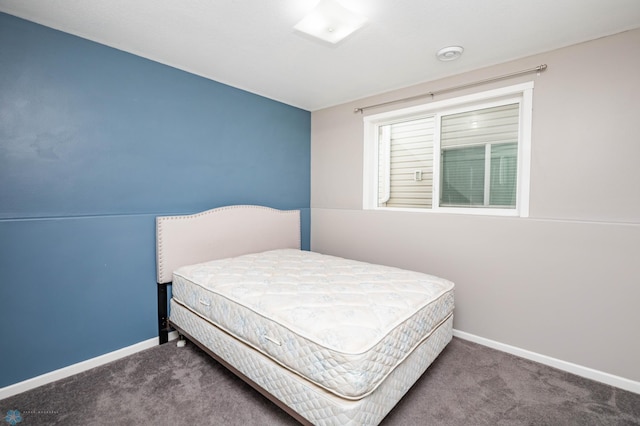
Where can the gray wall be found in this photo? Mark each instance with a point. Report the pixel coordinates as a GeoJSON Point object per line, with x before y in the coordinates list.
{"type": "Point", "coordinates": [564, 282]}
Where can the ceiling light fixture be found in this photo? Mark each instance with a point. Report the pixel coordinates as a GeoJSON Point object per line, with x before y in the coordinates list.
{"type": "Point", "coordinates": [330, 21]}
{"type": "Point", "coordinates": [450, 53]}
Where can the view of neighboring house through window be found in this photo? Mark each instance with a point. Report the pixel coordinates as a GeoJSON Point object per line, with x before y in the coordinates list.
{"type": "Point", "coordinates": [406, 163]}
{"type": "Point", "coordinates": [470, 153]}
{"type": "Point", "coordinates": [479, 153]}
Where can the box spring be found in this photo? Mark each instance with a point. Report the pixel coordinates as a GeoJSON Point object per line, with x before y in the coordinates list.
{"type": "Point", "coordinates": [311, 402]}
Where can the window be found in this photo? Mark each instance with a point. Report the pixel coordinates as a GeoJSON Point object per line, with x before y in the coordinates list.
{"type": "Point", "coordinates": [462, 155]}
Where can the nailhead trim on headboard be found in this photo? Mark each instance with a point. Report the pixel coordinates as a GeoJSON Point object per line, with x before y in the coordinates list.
{"type": "Point", "coordinates": [162, 220]}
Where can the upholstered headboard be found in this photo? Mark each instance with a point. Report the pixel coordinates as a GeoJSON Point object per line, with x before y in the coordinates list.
{"type": "Point", "coordinates": [222, 232]}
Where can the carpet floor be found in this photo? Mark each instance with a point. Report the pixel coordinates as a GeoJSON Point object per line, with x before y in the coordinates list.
{"type": "Point", "coordinates": [468, 384]}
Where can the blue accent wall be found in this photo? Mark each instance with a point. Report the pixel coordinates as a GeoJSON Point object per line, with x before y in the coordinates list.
{"type": "Point", "coordinates": [94, 144]}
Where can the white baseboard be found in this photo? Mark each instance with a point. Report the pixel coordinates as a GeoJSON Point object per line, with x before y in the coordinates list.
{"type": "Point", "coordinates": [589, 373]}
{"type": "Point", "coordinates": [62, 373]}
{"type": "Point", "coordinates": [578, 370]}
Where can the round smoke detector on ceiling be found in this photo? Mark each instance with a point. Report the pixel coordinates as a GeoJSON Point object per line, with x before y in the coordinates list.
{"type": "Point", "coordinates": [450, 53]}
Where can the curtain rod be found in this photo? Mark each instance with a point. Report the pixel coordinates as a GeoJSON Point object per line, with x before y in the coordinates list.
{"type": "Point", "coordinates": [537, 69]}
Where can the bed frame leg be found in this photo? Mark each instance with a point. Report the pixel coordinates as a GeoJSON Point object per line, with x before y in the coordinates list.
{"type": "Point", "coordinates": [181, 343]}
{"type": "Point", "coordinates": [163, 327]}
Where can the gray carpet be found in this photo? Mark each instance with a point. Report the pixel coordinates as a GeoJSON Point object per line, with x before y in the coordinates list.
{"type": "Point", "coordinates": [467, 385]}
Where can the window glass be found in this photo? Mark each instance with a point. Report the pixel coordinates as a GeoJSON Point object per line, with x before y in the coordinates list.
{"type": "Point", "coordinates": [405, 165]}
{"type": "Point", "coordinates": [479, 157]}
{"type": "Point", "coordinates": [467, 154]}
{"type": "Point", "coordinates": [463, 177]}
{"type": "Point", "coordinates": [504, 167]}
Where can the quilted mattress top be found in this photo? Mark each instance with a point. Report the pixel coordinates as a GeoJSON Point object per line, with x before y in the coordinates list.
{"type": "Point", "coordinates": [343, 324]}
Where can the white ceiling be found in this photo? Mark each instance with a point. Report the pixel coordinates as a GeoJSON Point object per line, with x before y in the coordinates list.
{"type": "Point", "coordinates": [251, 44]}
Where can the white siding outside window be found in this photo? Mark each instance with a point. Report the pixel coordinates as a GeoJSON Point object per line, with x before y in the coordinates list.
{"type": "Point", "coordinates": [406, 163]}
{"type": "Point", "coordinates": [462, 155]}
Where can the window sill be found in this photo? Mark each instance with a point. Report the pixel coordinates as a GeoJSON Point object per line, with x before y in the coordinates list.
{"type": "Point", "coordinates": [456, 211]}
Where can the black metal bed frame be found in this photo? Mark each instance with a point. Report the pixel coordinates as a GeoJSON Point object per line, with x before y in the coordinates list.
{"type": "Point", "coordinates": [164, 327]}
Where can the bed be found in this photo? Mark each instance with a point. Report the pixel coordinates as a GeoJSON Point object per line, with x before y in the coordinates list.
{"type": "Point", "coordinates": [332, 341]}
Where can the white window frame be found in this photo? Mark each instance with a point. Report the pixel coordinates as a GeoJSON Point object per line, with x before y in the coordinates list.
{"type": "Point", "coordinates": [521, 93]}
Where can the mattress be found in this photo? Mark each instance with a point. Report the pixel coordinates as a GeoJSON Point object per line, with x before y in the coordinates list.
{"type": "Point", "coordinates": [341, 324]}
